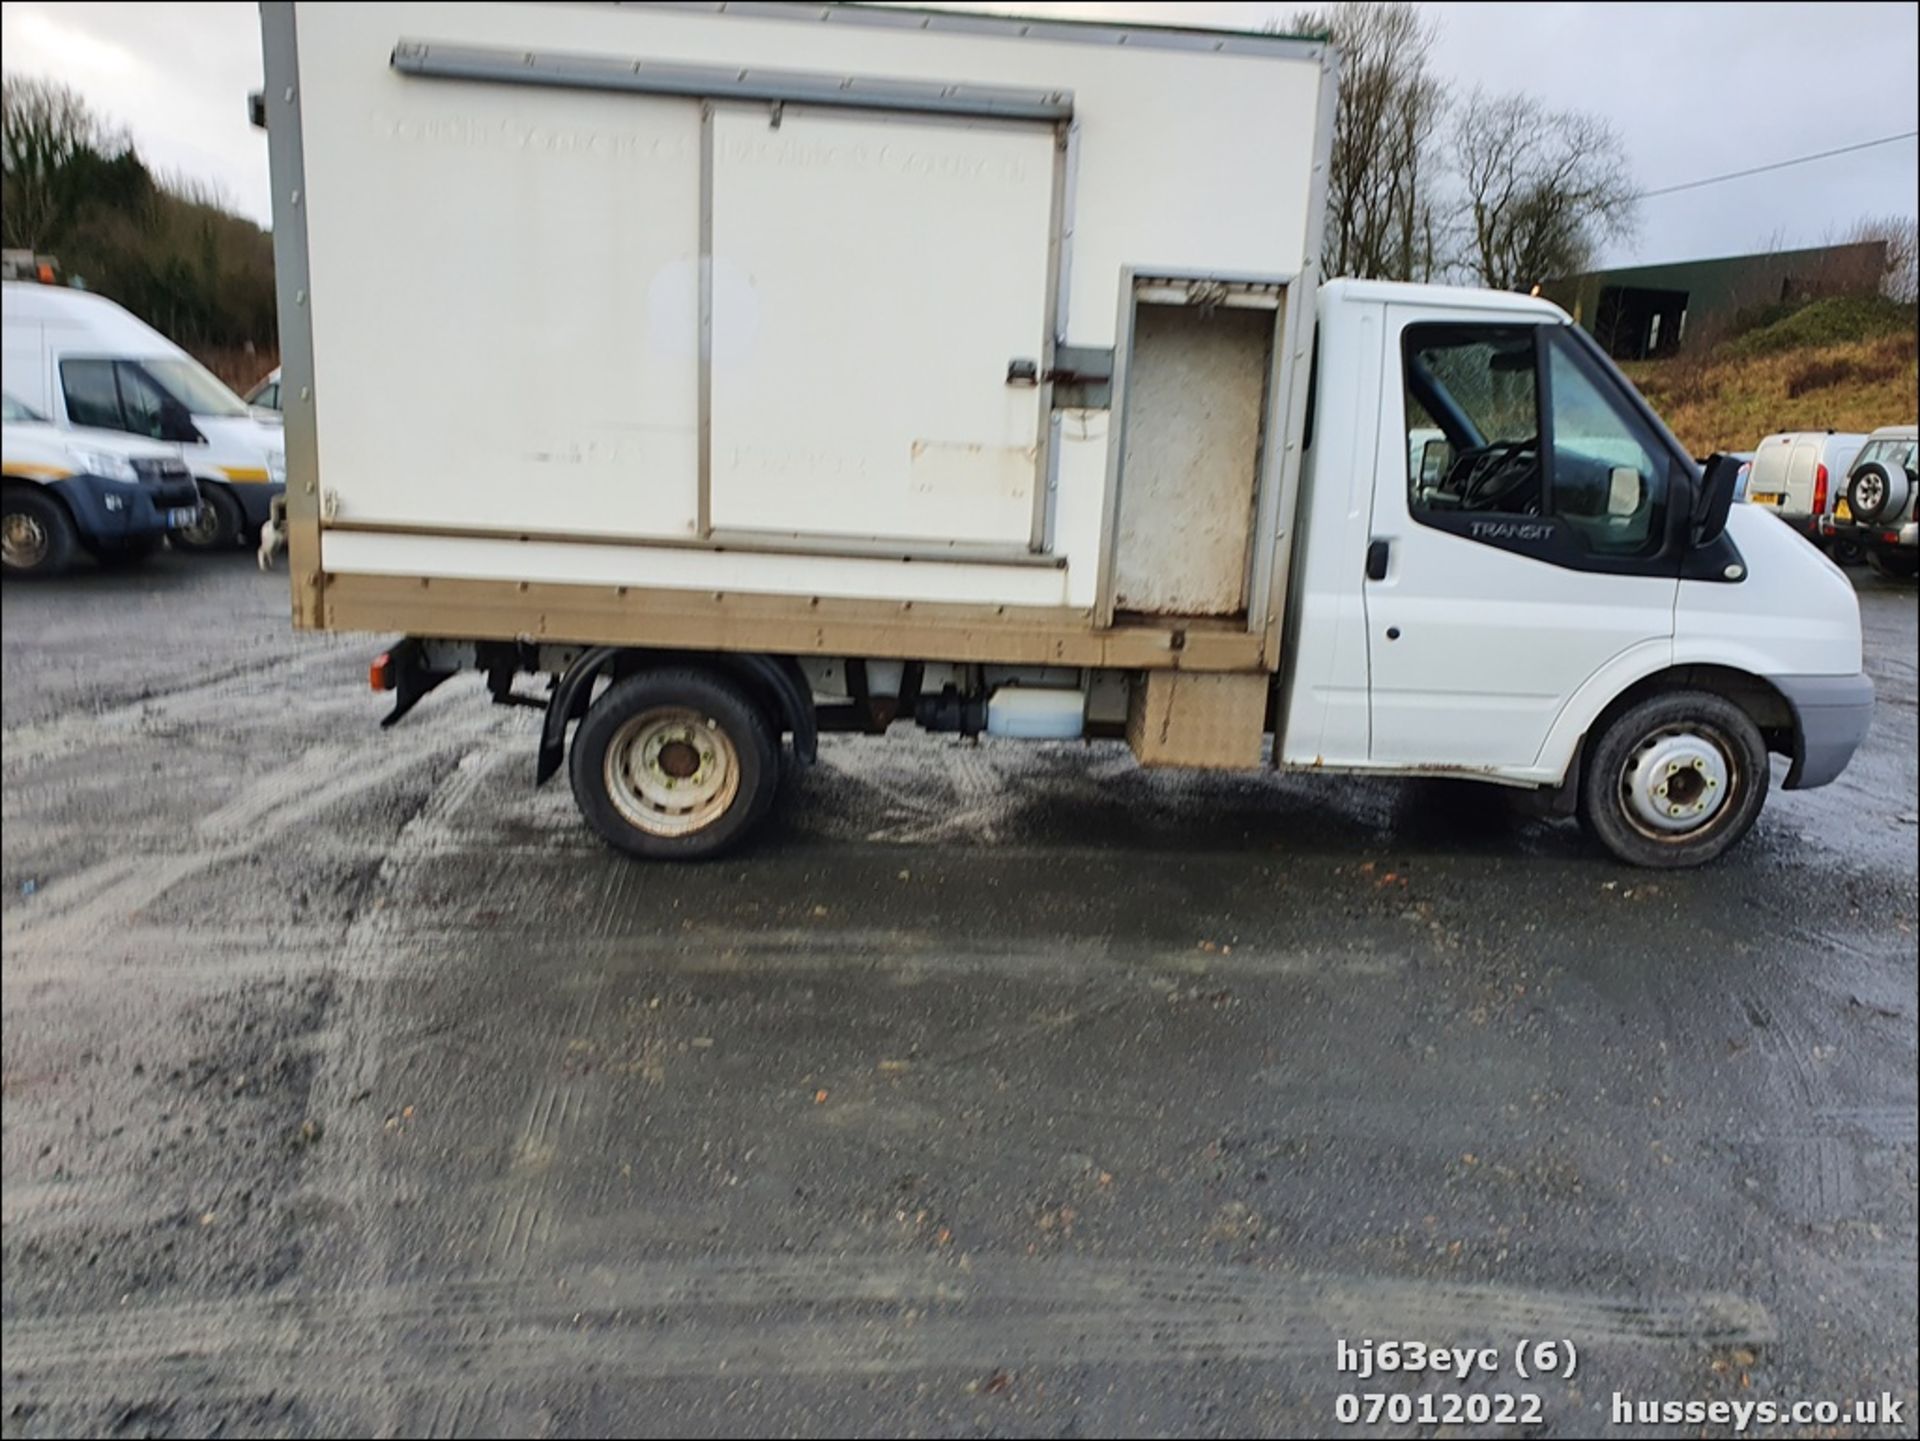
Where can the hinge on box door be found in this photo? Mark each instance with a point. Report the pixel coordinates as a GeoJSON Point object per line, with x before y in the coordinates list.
{"type": "Point", "coordinates": [1082, 377]}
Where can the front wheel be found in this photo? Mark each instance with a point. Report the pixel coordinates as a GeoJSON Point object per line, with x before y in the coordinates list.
{"type": "Point", "coordinates": [218, 524]}
{"type": "Point", "coordinates": [674, 765]}
{"type": "Point", "coordinates": [1675, 780]}
{"type": "Point", "coordinates": [36, 534]}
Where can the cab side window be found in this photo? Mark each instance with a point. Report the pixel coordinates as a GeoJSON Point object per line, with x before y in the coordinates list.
{"type": "Point", "coordinates": [1519, 439]}
{"type": "Point", "coordinates": [1607, 480]}
{"type": "Point", "coordinates": [92, 397]}
{"type": "Point", "coordinates": [1473, 421]}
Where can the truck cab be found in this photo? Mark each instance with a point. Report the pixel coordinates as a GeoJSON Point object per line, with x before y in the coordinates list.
{"type": "Point", "coordinates": [1491, 612]}
{"type": "Point", "coordinates": [81, 360]}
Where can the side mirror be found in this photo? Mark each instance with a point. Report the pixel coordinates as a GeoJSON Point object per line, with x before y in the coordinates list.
{"type": "Point", "coordinates": [1434, 458]}
{"type": "Point", "coordinates": [1713, 501]}
{"type": "Point", "coordinates": [177, 424]}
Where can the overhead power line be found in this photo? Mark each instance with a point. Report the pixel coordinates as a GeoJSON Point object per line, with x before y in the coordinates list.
{"type": "Point", "coordinates": [1777, 165]}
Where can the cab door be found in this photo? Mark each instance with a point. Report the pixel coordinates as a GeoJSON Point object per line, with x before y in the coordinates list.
{"type": "Point", "coordinates": [1535, 540]}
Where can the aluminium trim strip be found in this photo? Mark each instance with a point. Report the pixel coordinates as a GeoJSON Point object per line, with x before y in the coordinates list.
{"type": "Point", "coordinates": [441, 60]}
{"type": "Point", "coordinates": [739, 540]}
{"type": "Point", "coordinates": [1189, 39]}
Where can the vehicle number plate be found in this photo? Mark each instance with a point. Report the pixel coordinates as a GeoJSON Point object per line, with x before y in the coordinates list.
{"type": "Point", "coordinates": [182, 517]}
{"type": "Point", "coordinates": [1766, 497]}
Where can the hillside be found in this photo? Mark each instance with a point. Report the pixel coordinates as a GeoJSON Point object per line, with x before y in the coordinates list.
{"type": "Point", "coordinates": [1838, 364]}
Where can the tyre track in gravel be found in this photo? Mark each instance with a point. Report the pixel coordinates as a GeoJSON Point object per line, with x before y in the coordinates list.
{"type": "Point", "coordinates": [788, 1315]}
{"type": "Point", "coordinates": [80, 909]}
{"type": "Point", "coordinates": [224, 696]}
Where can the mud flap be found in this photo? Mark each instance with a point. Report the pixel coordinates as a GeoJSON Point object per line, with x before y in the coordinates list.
{"type": "Point", "coordinates": [410, 679]}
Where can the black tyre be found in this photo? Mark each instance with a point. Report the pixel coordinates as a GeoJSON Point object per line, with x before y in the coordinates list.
{"type": "Point", "coordinates": [1894, 564]}
{"type": "Point", "coordinates": [1846, 552]}
{"type": "Point", "coordinates": [218, 525]}
{"type": "Point", "coordinates": [1675, 780]}
{"type": "Point", "coordinates": [674, 765]}
{"type": "Point", "coordinates": [121, 554]}
{"type": "Point", "coordinates": [36, 534]}
{"type": "Point", "coordinates": [1876, 491]}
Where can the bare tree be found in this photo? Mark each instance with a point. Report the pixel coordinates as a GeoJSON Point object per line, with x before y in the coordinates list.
{"type": "Point", "coordinates": [1540, 188]}
{"type": "Point", "coordinates": [44, 128]}
{"type": "Point", "coordinates": [1900, 279]}
{"type": "Point", "coordinates": [1381, 220]}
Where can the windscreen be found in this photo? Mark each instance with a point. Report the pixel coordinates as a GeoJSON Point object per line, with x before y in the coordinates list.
{"type": "Point", "coordinates": [195, 387]}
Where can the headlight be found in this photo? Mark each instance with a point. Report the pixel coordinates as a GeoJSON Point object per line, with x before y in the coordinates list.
{"type": "Point", "coordinates": [277, 466]}
{"type": "Point", "coordinates": [103, 463]}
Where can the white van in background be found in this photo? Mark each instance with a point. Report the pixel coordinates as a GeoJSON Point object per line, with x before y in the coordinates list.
{"type": "Point", "coordinates": [1799, 474]}
{"type": "Point", "coordinates": [65, 489]}
{"type": "Point", "coordinates": [82, 360]}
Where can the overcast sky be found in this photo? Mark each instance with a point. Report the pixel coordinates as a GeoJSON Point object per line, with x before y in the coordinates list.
{"type": "Point", "coordinates": [1694, 89]}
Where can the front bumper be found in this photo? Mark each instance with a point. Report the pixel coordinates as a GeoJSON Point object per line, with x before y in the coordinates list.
{"type": "Point", "coordinates": [1831, 714]}
{"type": "Point", "coordinates": [105, 511]}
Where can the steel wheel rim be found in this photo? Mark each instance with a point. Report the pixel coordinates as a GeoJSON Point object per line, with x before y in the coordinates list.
{"type": "Point", "coordinates": [1872, 493]}
{"type": "Point", "coordinates": [671, 771]}
{"type": "Point", "coordinates": [1679, 782]}
{"type": "Point", "coordinates": [24, 541]}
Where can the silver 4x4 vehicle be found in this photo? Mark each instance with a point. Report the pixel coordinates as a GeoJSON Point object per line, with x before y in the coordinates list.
{"type": "Point", "coordinates": [1876, 512]}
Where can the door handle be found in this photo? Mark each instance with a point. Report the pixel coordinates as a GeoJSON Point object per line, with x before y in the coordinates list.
{"type": "Point", "coordinates": [1377, 555]}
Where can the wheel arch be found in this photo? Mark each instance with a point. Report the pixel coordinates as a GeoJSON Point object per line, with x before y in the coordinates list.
{"type": "Point", "coordinates": [775, 682]}
{"type": "Point", "coordinates": [14, 484]}
{"type": "Point", "coordinates": [1764, 703]}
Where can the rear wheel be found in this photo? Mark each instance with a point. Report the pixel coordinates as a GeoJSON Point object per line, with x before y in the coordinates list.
{"type": "Point", "coordinates": [674, 765]}
{"type": "Point", "coordinates": [1675, 780]}
{"type": "Point", "coordinates": [1845, 552]}
{"type": "Point", "coordinates": [36, 534]}
{"type": "Point", "coordinates": [1893, 564]}
{"type": "Point", "coordinates": [218, 524]}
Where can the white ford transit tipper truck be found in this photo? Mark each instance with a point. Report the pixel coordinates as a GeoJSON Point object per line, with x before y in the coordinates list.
{"type": "Point", "coordinates": [753, 370]}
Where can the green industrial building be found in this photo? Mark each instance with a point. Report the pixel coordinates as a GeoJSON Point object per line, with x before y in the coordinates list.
{"type": "Point", "coordinates": [1648, 310]}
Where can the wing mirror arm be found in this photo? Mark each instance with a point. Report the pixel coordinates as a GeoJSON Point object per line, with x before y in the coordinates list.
{"type": "Point", "coordinates": [1713, 498]}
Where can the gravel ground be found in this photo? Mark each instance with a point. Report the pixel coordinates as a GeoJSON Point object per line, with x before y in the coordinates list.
{"type": "Point", "coordinates": [351, 1087]}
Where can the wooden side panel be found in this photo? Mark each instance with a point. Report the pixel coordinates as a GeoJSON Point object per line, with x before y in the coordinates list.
{"type": "Point", "coordinates": [775, 624]}
{"type": "Point", "coordinates": [1209, 722]}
